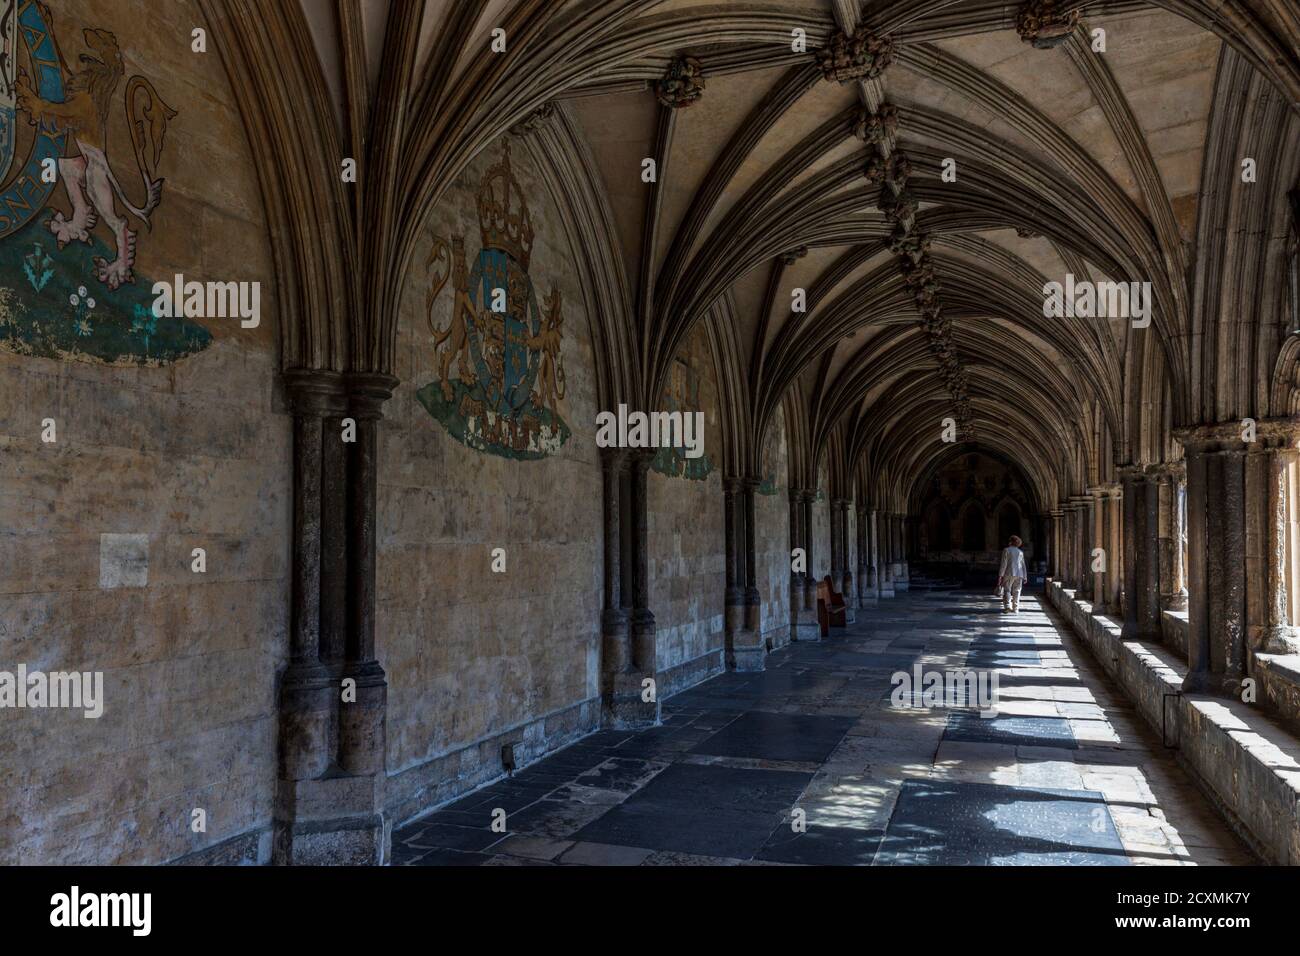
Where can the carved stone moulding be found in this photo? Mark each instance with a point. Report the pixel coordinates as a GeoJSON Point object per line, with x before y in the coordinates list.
{"type": "Point", "coordinates": [873, 128]}
{"type": "Point", "coordinates": [900, 168]}
{"type": "Point", "coordinates": [682, 85]}
{"type": "Point", "coordinates": [1043, 24]}
{"type": "Point", "coordinates": [1227, 436]}
{"type": "Point", "coordinates": [534, 121]}
{"type": "Point", "coordinates": [863, 56]}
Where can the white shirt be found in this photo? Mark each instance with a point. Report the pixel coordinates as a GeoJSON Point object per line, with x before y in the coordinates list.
{"type": "Point", "coordinates": [1013, 563]}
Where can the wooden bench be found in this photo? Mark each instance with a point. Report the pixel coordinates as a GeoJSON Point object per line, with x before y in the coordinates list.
{"type": "Point", "coordinates": [830, 606]}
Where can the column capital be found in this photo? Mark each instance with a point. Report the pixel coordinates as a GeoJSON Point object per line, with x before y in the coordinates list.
{"type": "Point", "coordinates": [367, 392]}
{"type": "Point", "coordinates": [1112, 489]}
{"type": "Point", "coordinates": [314, 391]}
{"type": "Point", "coordinates": [1225, 436]}
{"type": "Point", "coordinates": [732, 484]}
{"type": "Point", "coordinates": [1168, 471]}
{"type": "Point", "coordinates": [751, 482]}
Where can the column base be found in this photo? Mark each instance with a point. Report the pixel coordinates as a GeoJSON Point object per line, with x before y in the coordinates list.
{"type": "Point", "coordinates": [1177, 601]}
{"type": "Point", "coordinates": [1283, 639]}
{"type": "Point", "coordinates": [333, 821]}
{"type": "Point", "coordinates": [1130, 631]}
{"type": "Point", "coordinates": [1211, 684]}
{"type": "Point", "coordinates": [748, 653]}
{"type": "Point", "coordinates": [624, 709]}
{"type": "Point", "coordinates": [805, 628]}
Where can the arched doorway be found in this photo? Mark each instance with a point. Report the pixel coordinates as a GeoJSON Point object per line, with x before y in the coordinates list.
{"type": "Point", "coordinates": [972, 528]}
{"type": "Point", "coordinates": [1008, 522]}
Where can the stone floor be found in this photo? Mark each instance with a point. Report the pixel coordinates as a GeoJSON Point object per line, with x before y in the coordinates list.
{"type": "Point", "coordinates": [1065, 773]}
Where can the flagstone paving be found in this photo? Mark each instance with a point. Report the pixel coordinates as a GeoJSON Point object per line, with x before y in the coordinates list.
{"type": "Point", "coordinates": [809, 762]}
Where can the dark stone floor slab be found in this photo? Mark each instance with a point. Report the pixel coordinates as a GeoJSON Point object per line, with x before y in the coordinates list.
{"type": "Point", "coordinates": [712, 785]}
{"type": "Point", "coordinates": [878, 662]}
{"type": "Point", "coordinates": [449, 858]}
{"type": "Point", "coordinates": [701, 809]}
{"type": "Point", "coordinates": [708, 831]}
{"type": "Point", "coordinates": [978, 824]}
{"type": "Point", "coordinates": [1008, 729]}
{"type": "Point", "coordinates": [445, 836]}
{"type": "Point", "coordinates": [822, 845]}
{"type": "Point", "coordinates": [763, 736]}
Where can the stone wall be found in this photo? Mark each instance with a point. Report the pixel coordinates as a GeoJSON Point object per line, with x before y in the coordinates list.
{"type": "Point", "coordinates": [820, 565]}
{"type": "Point", "coordinates": [169, 437]}
{"type": "Point", "coordinates": [477, 657]}
{"type": "Point", "coordinates": [687, 556]}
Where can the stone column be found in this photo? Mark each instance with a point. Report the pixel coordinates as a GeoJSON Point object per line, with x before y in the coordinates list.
{"type": "Point", "coordinates": [1096, 538]}
{"type": "Point", "coordinates": [846, 569]}
{"type": "Point", "coordinates": [1067, 544]}
{"type": "Point", "coordinates": [873, 556]}
{"type": "Point", "coordinates": [1231, 565]}
{"type": "Point", "coordinates": [885, 528]}
{"type": "Point", "coordinates": [307, 687]}
{"type": "Point", "coordinates": [644, 645]}
{"type": "Point", "coordinates": [1114, 551]}
{"type": "Point", "coordinates": [620, 690]}
{"type": "Point", "coordinates": [1149, 560]}
{"type": "Point", "coordinates": [903, 578]}
{"type": "Point", "coordinates": [1081, 542]}
{"type": "Point", "coordinates": [804, 613]}
{"type": "Point", "coordinates": [362, 746]}
{"type": "Point", "coordinates": [1217, 554]}
{"type": "Point", "coordinates": [1129, 479]}
{"type": "Point", "coordinates": [1171, 483]}
{"type": "Point", "coordinates": [865, 590]}
{"type": "Point", "coordinates": [797, 578]}
{"type": "Point", "coordinates": [1278, 634]}
{"type": "Point", "coordinates": [734, 599]}
{"type": "Point", "coordinates": [837, 558]}
{"type": "Point", "coordinates": [749, 649]}
{"type": "Point", "coordinates": [329, 800]}
{"type": "Point", "coordinates": [810, 582]}
{"type": "Point", "coordinates": [1049, 544]}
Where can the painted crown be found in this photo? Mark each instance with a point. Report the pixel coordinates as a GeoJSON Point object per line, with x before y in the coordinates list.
{"type": "Point", "coordinates": [503, 216]}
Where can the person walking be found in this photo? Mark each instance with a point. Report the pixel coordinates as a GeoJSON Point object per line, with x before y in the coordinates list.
{"type": "Point", "coordinates": [1011, 575]}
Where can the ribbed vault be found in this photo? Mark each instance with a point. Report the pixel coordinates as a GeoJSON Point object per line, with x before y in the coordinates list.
{"type": "Point", "coordinates": [776, 179]}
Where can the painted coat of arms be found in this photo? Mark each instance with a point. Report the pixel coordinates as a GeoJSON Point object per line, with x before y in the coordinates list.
{"type": "Point", "coordinates": [681, 394]}
{"type": "Point", "coordinates": [67, 274]}
{"type": "Point", "coordinates": [509, 373]}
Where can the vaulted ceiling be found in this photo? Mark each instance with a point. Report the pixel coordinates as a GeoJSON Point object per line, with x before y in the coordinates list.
{"type": "Point", "coordinates": [780, 168]}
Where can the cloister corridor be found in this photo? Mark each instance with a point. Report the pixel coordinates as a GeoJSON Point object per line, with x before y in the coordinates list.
{"type": "Point", "coordinates": [1065, 773]}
